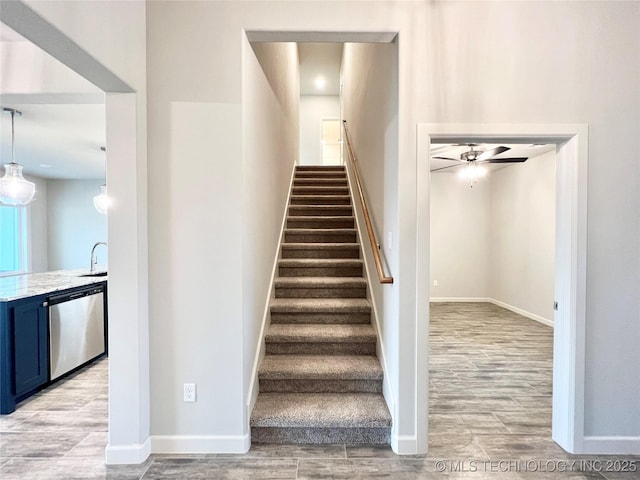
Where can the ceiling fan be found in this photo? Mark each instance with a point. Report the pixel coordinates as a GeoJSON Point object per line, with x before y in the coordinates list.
{"type": "Point", "coordinates": [474, 157]}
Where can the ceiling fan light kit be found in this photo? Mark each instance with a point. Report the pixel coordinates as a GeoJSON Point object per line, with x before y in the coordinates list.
{"type": "Point", "coordinates": [475, 159]}
{"type": "Point", "coordinates": [15, 191]}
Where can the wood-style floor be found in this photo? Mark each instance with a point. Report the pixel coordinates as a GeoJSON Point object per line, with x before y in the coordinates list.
{"type": "Point", "coordinates": [490, 418]}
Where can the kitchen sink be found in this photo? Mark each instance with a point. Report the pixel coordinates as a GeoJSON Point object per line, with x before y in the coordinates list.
{"type": "Point", "coordinates": [94, 274]}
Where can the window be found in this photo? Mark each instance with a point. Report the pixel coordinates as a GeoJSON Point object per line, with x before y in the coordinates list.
{"type": "Point", "coordinates": [13, 240]}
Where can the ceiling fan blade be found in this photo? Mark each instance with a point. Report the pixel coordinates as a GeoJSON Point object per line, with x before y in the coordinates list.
{"type": "Point", "coordinates": [504, 160]}
{"type": "Point", "coordinates": [447, 158]}
{"type": "Point", "coordinates": [448, 166]}
{"type": "Point", "coordinates": [492, 153]}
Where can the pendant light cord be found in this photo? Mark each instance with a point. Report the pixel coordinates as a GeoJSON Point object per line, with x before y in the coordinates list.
{"type": "Point", "coordinates": [13, 137]}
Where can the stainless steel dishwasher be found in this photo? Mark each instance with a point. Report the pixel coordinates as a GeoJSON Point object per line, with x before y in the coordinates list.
{"type": "Point", "coordinates": [76, 329]}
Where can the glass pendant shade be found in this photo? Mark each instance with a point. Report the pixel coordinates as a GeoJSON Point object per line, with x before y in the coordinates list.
{"type": "Point", "coordinates": [102, 200]}
{"type": "Point", "coordinates": [15, 191]}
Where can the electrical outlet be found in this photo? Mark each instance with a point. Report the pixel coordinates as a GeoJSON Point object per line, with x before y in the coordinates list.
{"type": "Point", "coordinates": [435, 283]}
{"type": "Point", "coordinates": [189, 392]}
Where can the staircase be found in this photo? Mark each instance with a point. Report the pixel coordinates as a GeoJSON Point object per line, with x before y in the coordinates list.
{"type": "Point", "coordinates": [320, 381]}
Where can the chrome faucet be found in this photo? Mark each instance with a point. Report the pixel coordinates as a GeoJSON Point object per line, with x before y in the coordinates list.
{"type": "Point", "coordinates": [94, 260]}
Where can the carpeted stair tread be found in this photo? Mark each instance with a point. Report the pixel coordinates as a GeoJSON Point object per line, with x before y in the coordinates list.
{"type": "Point", "coordinates": [319, 262]}
{"type": "Point", "coordinates": [320, 190]}
{"type": "Point", "coordinates": [317, 174]}
{"type": "Point", "coordinates": [320, 410]}
{"type": "Point", "coordinates": [320, 333]}
{"type": "Point", "coordinates": [320, 246]}
{"type": "Point", "coordinates": [321, 222]}
{"type": "Point", "coordinates": [320, 211]}
{"type": "Point", "coordinates": [314, 199]}
{"type": "Point", "coordinates": [319, 168]}
{"type": "Point", "coordinates": [339, 367]}
{"type": "Point", "coordinates": [320, 282]}
{"type": "Point", "coordinates": [320, 305]}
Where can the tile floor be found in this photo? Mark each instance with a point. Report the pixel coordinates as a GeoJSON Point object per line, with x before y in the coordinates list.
{"type": "Point", "coordinates": [490, 401]}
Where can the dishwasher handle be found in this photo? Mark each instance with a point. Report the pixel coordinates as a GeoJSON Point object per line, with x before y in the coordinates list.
{"type": "Point", "coordinates": [66, 297]}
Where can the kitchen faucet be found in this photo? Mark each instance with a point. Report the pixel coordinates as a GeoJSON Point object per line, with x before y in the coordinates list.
{"type": "Point", "coordinates": [94, 260]}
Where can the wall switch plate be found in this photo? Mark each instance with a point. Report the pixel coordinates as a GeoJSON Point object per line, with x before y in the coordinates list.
{"type": "Point", "coordinates": [435, 283]}
{"type": "Point", "coordinates": [189, 392]}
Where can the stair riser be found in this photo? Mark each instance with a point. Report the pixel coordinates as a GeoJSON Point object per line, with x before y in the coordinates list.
{"type": "Point", "coordinates": [320, 348]}
{"type": "Point", "coordinates": [353, 436]}
{"type": "Point", "coordinates": [321, 253]}
{"type": "Point", "coordinates": [321, 386]}
{"type": "Point", "coordinates": [304, 222]}
{"type": "Point", "coordinates": [320, 237]}
{"type": "Point", "coordinates": [320, 271]}
{"type": "Point", "coordinates": [320, 182]}
{"type": "Point", "coordinates": [319, 168]}
{"type": "Point", "coordinates": [321, 200]}
{"type": "Point", "coordinates": [322, 191]}
{"type": "Point", "coordinates": [302, 211]}
{"type": "Point", "coordinates": [321, 318]}
{"type": "Point", "coordinates": [304, 175]}
{"type": "Point", "coordinates": [351, 292]}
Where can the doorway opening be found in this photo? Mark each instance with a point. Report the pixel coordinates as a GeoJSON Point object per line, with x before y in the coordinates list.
{"type": "Point", "coordinates": [570, 262]}
{"type": "Point", "coordinates": [492, 290]}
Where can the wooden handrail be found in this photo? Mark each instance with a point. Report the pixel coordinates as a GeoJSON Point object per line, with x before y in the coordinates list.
{"type": "Point", "coordinates": [365, 210]}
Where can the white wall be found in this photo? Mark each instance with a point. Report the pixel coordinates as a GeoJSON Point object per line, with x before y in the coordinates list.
{"type": "Point", "coordinates": [313, 108]}
{"type": "Point", "coordinates": [522, 242]}
{"type": "Point", "coordinates": [460, 237]}
{"type": "Point", "coordinates": [271, 99]}
{"type": "Point", "coordinates": [370, 99]}
{"type": "Point", "coordinates": [37, 213]}
{"type": "Point", "coordinates": [74, 225]}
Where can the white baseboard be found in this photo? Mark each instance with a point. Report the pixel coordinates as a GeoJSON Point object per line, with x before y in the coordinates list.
{"type": "Point", "coordinates": [522, 312]}
{"type": "Point", "coordinates": [596, 445]}
{"type": "Point", "coordinates": [200, 443]}
{"type": "Point", "coordinates": [459, 299]}
{"type": "Point", "coordinates": [517, 310]}
{"type": "Point", "coordinates": [404, 444]}
{"type": "Point", "coordinates": [127, 454]}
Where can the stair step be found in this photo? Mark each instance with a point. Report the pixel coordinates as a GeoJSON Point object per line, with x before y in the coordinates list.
{"type": "Point", "coordinates": [310, 339]}
{"type": "Point", "coordinates": [313, 190]}
{"type": "Point", "coordinates": [320, 373]}
{"type": "Point", "coordinates": [320, 235]}
{"type": "Point", "coordinates": [320, 287]}
{"type": "Point", "coordinates": [320, 211]}
{"type": "Point", "coordinates": [354, 418]}
{"type": "Point", "coordinates": [320, 168]}
{"type": "Point", "coordinates": [320, 222]}
{"type": "Point", "coordinates": [320, 174]}
{"type": "Point", "coordinates": [320, 267]}
{"type": "Point", "coordinates": [320, 250]}
{"type": "Point", "coordinates": [320, 182]}
{"type": "Point", "coordinates": [320, 311]}
{"type": "Point", "coordinates": [331, 200]}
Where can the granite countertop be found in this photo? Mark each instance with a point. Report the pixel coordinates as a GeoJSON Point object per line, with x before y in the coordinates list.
{"type": "Point", "coordinates": [33, 284]}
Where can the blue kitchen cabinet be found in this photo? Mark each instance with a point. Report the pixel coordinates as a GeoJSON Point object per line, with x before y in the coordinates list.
{"type": "Point", "coordinates": [24, 349]}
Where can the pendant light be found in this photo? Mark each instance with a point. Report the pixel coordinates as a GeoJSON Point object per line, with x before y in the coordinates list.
{"type": "Point", "coordinates": [102, 201]}
{"type": "Point", "coordinates": [15, 191]}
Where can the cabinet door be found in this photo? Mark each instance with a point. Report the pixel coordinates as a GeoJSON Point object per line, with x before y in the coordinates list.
{"type": "Point", "coordinates": [30, 346]}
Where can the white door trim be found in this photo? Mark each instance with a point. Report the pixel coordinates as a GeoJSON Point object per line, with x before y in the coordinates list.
{"type": "Point", "coordinates": [570, 277]}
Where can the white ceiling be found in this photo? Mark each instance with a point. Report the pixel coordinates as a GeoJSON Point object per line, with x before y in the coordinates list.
{"type": "Point", "coordinates": [62, 127]}
{"type": "Point", "coordinates": [454, 152]}
{"type": "Point", "coordinates": [320, 60]}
